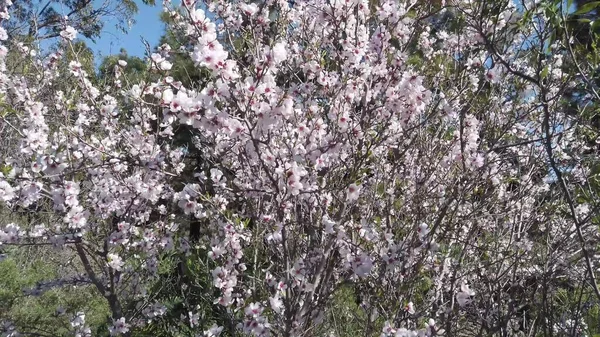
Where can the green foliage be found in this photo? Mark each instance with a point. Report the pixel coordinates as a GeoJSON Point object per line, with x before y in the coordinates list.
{"type": "Point", "coordinates": [23, 270]}
{"type": "Point", "coordinates": [588, 7]}
{"type": "Point", "coordinates": [184, 69]}
{"type": "Point", "coordinates": [184, 282]}
{"type": "Point", "coordinates": [83, 54]}
{"type": "Point", "coordinates": [347, 318]}
{"type": "Point", "coordinates": [135, 71]}
{"type": "Point", "coordinates": [569, 301]}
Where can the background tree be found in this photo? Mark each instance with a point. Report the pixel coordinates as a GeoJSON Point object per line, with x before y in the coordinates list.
{"type": "Point", "coordinates": [45, 19]}
{"type": "Point", "coordinates": [135, 70]}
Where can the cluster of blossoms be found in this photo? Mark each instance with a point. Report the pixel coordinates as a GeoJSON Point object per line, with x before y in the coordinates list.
{"type": "Point", "coordinates": [325, 156]}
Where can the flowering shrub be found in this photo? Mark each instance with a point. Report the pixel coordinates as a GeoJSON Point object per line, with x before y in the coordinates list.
{"type": "Point", "coordinates": [419, 153]}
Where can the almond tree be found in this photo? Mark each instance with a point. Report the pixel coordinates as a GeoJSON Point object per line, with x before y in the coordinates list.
{"type": "Point", "coordinates": [417, 153]}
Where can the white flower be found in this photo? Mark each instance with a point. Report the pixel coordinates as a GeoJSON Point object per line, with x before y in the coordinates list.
{"type": "Point", "coordinates": [115, 261]}
{"type": "Point", "coordinates": [193, 319]}
{"type": "Point", "coordinates": [478, 160]}
{"type": "Point", "coordinates": [69, 33]}
{"type": "Point", "coordinates": [214, 331]}
{"type": "Point", "coordinates": [3, 52]}
{"type": "Point", "coordinates": [328, 225]}
{"type": "Point", "coordinates": [7, 193]}
{"type": "Point", "coordinates": [276, 304]}
{"type": "Point", "coordinates": [167, 96]}
{"type": "Point", "coordinates": [119, 327]}
{"type": "Point", "coordinates": [362, 265]}
{"type": "Point", "coordinates": [410, 308]}
{"type": "Point", "coordinates": [353, 192]}
{"type": "Point", "coordinates": [10, 234]}
{"type": "Point", "coordinates": [494, 75]}
{"type": "Point", "coordinates": [135, 91]}
{"type": "Point", "coordinates": [76, 217]}
{"type": "Point", "coordinates": [249, 9]}
{"type": "Point", "coordinates": [160, 62]}
{"type": "Point", "coordinates": [216, 174]}
{"type": "Point", "coordinates": [423, 230]}
{"type": "Point", "coordinates": [464, 296]}
{"type": "Point", "coordinates": [165, 65]}
{"type": "Point", "coordinates": [279, 53]}
{"type": "Point", "coordinates": [197, 16]}
{"type": "Point", "coordinates": [189, 206]}
{"type": "Point", "coordinates": [38, 231]}
{"type": "Point", "coordinates": [254, 310]}
{"type": "Point", "coordinates": [343, 122]}
{"type": "Point", "coordinates": [75, 68]}
{"type": "Point", "coordinates": [78, 320]}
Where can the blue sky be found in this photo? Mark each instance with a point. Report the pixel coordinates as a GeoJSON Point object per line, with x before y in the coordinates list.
{"type": "Point", "coordinates": [147, 25]}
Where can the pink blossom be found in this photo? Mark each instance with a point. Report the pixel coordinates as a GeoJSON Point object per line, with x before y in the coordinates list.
{"type": "Point", "coordinates": [119, 327]}
{"type": "Point", "coordinates": [69, 33]}
{"type": "Point", "coordinates": [353, 192]}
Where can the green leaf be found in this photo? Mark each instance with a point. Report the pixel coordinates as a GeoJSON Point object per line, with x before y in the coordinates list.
{"type": "Point", "coordinates": [6, 110]}
{"type": "Point", "coordinates": [5, 169]}
{"type": "Point", "coordinates": [587, 8]}
{"type": "Point", "coordinates": [545, 73]}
